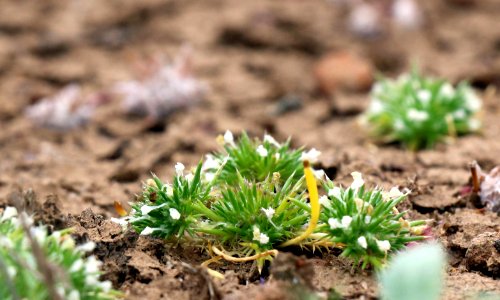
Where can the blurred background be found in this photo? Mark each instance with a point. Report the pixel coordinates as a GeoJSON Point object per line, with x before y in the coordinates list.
{"type": "Point", "coordinates": [290, 68]}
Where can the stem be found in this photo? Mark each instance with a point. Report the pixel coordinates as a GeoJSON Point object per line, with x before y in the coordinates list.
{"type": "Point", "coordinates": [230, 258]}
{"type": "Point", "coordinates": [199, 207]}
{"type": "Point", "coordinates": [315, 207]}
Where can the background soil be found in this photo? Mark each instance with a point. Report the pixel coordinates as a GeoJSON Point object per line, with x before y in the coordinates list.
{"type": "Point", "coordinates": [257, 56]}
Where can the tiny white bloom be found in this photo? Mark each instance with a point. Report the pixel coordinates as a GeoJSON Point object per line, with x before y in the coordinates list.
{"type": "Point", "coordinates": [447, 91]}
{"type": "Point", "coordinates": [256, 233]}
{"type": "Point", "coordinates": [311, 156]}
{"type": "Point", "coordinates": [169, 190]}
{"type": "Point", "coordinates": [368, 219]}
{"type": "Point", "coordinates": [334, 223]}
{"type": "Point", "coordinates": [210, 163]}
{"type": "Point", "coordinates": [146, 209]}
{"type": "Point", "coordinates": [179, 168]}
{"type": "Point", "coordinates": [424, 96]}
{"type": "Point", "coordinates": [209, 177]}
{"type": "Point", "coordinates": [417, 115]}
{"type": "Point", "coordinates": [393, 193]}
{"type": "Point", "coordinates": [262, 151]}
{"type": "Point", "coordinates": [335, 192]}
{"type": "Point", "coordinates": [384, 245]}
{"type": "Point", "coordinates": [346, 221]}
{"type": "Point", "coordinates": [39, 234]}
{"type": "Point", "coordinates": [87, 247]}
{"type": "Point", "coordinates": [105, 286]}
{"type": "Point", "coordinates": [189, 177]}
{"type": "Point", "coordinates": [228, 137]}
{"type": "Point", "coordinates": [358, 180]}
{"type": "Point", "coordinates": [174, 214]}
{"type": "Point", "coordinates": [268, 138]}
{"type": "Point", "coordinates": [8, 213]}
{"type": "Point", "coordinates": [324, 201]}
{"type": "Point", "coordinates": [459, 114]}
{"type": "Point", "coordinates": [73, 295]}
{"type": "Point", "coordinates": [362, 242]}
{"type": "Point", "coordinates": [11, 271]}
{"type": "Point", "coordinates": [319, 174]}
{"type": "Point", "coordinates": [472, 101]}
{"type": "Point", "coordinates": [263, 239]}
{"type": "Point", "coordinates": [277, 156]}
{"type": "Point", "coordinates": [92, 265]}
{"type": "Point", "coordinates": [147, 231]}
{"type": "Point", "coordinates": [76, 266]}
{"type": "Point", "coordinates": [399, 125]}
{"type": "Point", "coordinates": [474, 124]}
{"type": "Point", "coordinates": [376, 106]}
{"type": "Point", "coordinates": [269, 212]}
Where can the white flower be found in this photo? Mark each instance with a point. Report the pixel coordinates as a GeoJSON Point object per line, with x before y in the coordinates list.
{"type": "Point", "coordinates": [76, 266]}
{"type": "Point", "coordinates": [11, 271]}
{"type": "Point", "coordinates": [368, 219]}
{"type": "Point", "coordinates": [407, 14]}
{"type": "Point", "coordinates": [424, 96]}
{"type": "Point", "coordinates": [358, 180]}
{"type": "Point", "coordinates": [362, 242]}
{"type": "Point", "coordinates": [417, 115]}
{"type": "Point", "coordinates": [174, 214]}
{"type": "Point", "coordinates": [364, 19]}
{"type": "Point", "coordinates": [228, 137]}
{"type": "Point", "coordinates": [268, 138]}
{"type": "Point", "coordinates": [189, 177]}
{"type": "Point", "coordinates": [147, 231]}
{"type": "Point", "coordinates": [87, 247]}
{"type": "Point", "coordinates": [311, 156]}
{"type": "Point", "coordinates": [262, 151]}
{"type": "Point", "coordinates": [346, 221]}
{"type": "Point", "coordinates": [8, 213]}
{"type": "Point", "coordinates": [399, 125]}
{"type": "Point", "coordinates": [472, 101]}
{"type": "Point", "coordinates": [383, 245]}
{"type": "Point", "coordinates": [105, 286]}
{"type": "Point", "coordinates": [277, 156]}
{"type": "Point", "coordinates": [73, 295]}
{"type": "Point", "coordinates": [92, 280]}
{"type": "Point", "coordinates": [146, 209]}
{"type": "Point", "coordinates": [376, 106]}
{"type": "Point", "coordinates": [209, 177]}
{"type": "Point", "coordinates": [256, 233]}
{"type": "Point", "coordinates": [474, 124]}
{"type": "Point", "coordinates": [92, 265]}
{"type": "Point", "coordinates": [393, 193]}
{"type": "Point", "coordinates": [269, 212]}
{"type": "Point", "coordinates": [447, 91]}
{"type": "Point", "coordinates": [39, 233]}
{"type": "Point", "coordinates": [169, 190]}
{"type": "Point", "coordinates": [319, 174]}
{"type": "Point", "coordinates": [179, 168]}
{"type": "Point", "coordinates": [123, 222]}
{"type": "Point", "coordinates": [459, 114]}
{"type": "Point", "coordinates": [334, 223]}
{"type": "Point", "coordinates": [263, 239]}
{"type": "Point", "coordinates": [324, 201]}
{"type": "Point", "coordinates": [335, 192]}
{"type": "Point", "coordinates": [210, 163]}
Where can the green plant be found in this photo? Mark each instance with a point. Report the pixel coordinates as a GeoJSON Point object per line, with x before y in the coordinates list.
{"type": "Point", "coordinates": [24, 271]}
{"type": "Point", "coordinates": [250, 209]}
{"type": "Point", "coordinates": [366, 223]}
{"type": "Point", "coordinates": [419, 111]}
{"type": "Point", "coordinates": [414, 274]}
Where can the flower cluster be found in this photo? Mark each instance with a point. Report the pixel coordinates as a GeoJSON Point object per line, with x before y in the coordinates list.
{"type": "Point", "coordinates": [255, 197]}
{"type": "Point", "coordinates": [419, 111]}
{"type": "Point", "coordinates": [21, 271]}
{"type": "Point", "coordinates": [367, 224]}
{"type": "Point", "coordinates": [164, 89]}
{"type": "Point", "coordinates": [64, 111]}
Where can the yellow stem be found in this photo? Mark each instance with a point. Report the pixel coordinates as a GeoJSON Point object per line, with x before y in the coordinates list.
{"type": "Point", "coordinates": [315, 207]}
{"type": "Point", "coordinates": [230, 258]}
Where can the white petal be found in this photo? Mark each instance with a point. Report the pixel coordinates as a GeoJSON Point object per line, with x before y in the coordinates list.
{"type": "Point", "coordinates": [268, 138]}
{"type": "Point", "coordinates": [334, 223]}
{"type": "Point", "coordinates": [362, 242]}
{"type": "Point", "coordinates": [179, 168]}
{"type": "Point", "coordinates": [346, 221]}
{"type": "Point", "coordinates": [228, 137]}
{"type": "Point", "coordinates": [262, 151]}
{"type": "Point", "coordinates": [263, 239]}
{"type": "Point", "coordinates": [8, 213]}
{"type": "Point", "coordinates": [269, 212]}
{"type": "Point", "coordinates": [384, 245]}
{"type": "Point", "coordinates": [174, 214]}
{"type": "Point", "coordinates": [87, 247]}
{"type": "Point", "coordinates": [358, 180]}
{"type": "Point", "coordinates": [147, 231]}
{"type": "Point", "coordinates": [311, 156]}
{"type": "Point", "coordinates": [335, 192]}
{"type": "Point", "coordinates": [324, 201]}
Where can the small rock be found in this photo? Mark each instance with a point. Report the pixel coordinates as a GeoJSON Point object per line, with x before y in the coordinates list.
{"type": "Point", "coordinates": [483, 255]}
{"type": "Point", "coordinates": [344, 71]}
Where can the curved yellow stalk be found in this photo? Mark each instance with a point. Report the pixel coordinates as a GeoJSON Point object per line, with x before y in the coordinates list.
{"type": "Point", "coordinates": [315, 207]}
{"type": "Point", "coordinates": [227, 257]}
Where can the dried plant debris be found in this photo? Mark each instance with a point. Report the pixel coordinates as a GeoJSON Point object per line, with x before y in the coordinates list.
{"type": "Point", "coordinates": [66, 110]}
{"type": "Point", "coordinates": [485, 187]}
{"type": "Point", "coordinates": [162, 88]}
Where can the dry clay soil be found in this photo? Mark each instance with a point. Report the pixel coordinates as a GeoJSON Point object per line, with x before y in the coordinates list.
{"type": "Point", "coordinates": [257, 56]}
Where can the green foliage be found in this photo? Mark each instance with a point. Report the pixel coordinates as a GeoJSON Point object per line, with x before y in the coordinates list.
{"type": "Point", "coordinates": [76, 277]}
{"type": "Point", "coordinates": [366, 223]}
{"type": "Point", "coordinates": [419, 111]}
{"type": "Point", "coordinates": [414, 274]}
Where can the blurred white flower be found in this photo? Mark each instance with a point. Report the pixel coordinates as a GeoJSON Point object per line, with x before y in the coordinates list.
{"type": "Point", "coordinates": [268, 138]}
{"type": "Point", "coordinates": [8, 213]}
{"type": "Point", "coordinates": [164, 89]}
{"type": "Point", "coordinates": [364, 19]}
{"type": "Point", "coordinates": [229, 138]}
{"type": "Point", "coordinates": [447, 91]}
{"type": "Point", "coordinates": [358, 180]}
{"type": "Point", "coordinates": [147, 231]}
{"type": "Point", "coordinates": [269, 212]}
{"type": "Point", "coordinates": [335, 192]}
{"type": "Point", "coordinates": [362, 242]}
{"type": "Point", "coordinates": [324, 201]}
{"type": "Point", "coordinates": [417, 115]}
{"type": "Point", "coordinates": [346, 221]}
{"type": "Point", "coordinates": [459, 114]}
{"type": "Point", "coordinates": [383, 245]}
{"type": "Point", "coordinates": [262, 151]}
{"type": "Point", "coordinates": [66, 110]}
{"type": "Point", "coordinates": [87, 247]}
{"type": "Point", "coordinates": [334, 223]}
{"type": "Point", "coordinates": [76, 266]}
{"type": "Point", "coordinates": [73, 295]}
{"type": "Point", "coordinates": [311, 155]}
{"type": "Point", "coordinates": [262, 238]}
{"type": "Point", "coordinates": [174, 214]}
{"type": "Point", "coordinates": [210, 163]}
{"type": "Point", "coordinates": [474, 124]}
{"type": "Point", "coordinates": [179, 168]}
{"type": "Point", "coordinates": [407, 14]}
{"type": "Point", "coordinates": [424, 96]}
{"type": "Point", "coordinates": [472, 101]}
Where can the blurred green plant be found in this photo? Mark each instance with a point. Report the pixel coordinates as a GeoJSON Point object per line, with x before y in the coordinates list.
{"type": "Point", "coordinates": [36, 265]}
{"type": "Point", "coordinates": [419, 111]}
